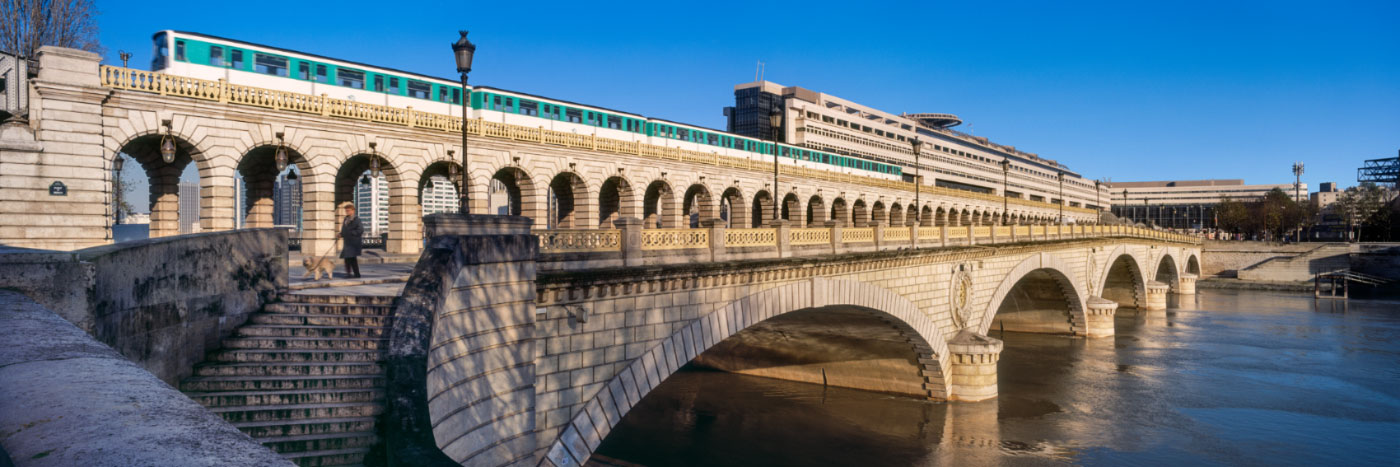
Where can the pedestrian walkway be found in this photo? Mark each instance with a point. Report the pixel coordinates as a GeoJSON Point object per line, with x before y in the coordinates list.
{"type": "Point", "coordinates": [394, 274]}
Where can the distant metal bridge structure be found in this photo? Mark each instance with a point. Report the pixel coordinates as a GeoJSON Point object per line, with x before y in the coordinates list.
{"type": "Point", "coordinates": [1380, 171]}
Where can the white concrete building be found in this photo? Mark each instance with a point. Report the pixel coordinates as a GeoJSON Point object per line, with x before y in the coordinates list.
{"type": "Point", "coordinates": [372, 204]}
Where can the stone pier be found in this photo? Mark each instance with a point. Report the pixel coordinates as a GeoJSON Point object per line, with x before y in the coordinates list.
{"type": "Point", "coordinates": [1098, 317]}
{"type": "Point", "coordinates": [974, 366]}
{"type": "Point", "coordinates": [1186, 284]}
{"type": "Point", "coordinates": [1157, 295]}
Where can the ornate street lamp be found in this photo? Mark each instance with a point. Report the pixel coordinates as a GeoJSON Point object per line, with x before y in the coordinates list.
{"type": "Point", "coordinates": [167, 144]}
{"type": "Point", "coordinates": [918, 179]}
{"type": "Point", "coordinates": [464, 50]}
{"type": "Point", "coordinates": [1297, 185]}
{"type": "Point", "coordinates": [1005, 182]}
{"type": "Point", "coordinates": [1061, 176]}
{"type": "Point", "coordinates": [124, 55]}
{"type": "Point", "coordinates": [774, 120]}
{"type": "Point", "coordinates": [1098, 205]}
{"type": "Point", "coordinates": [374, 169]}
{"type": "Point", "coordinates": [117, 164]}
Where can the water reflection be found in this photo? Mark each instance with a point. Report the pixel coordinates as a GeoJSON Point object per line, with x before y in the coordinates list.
{"type": "Point", "coordinates": [1224, 378]}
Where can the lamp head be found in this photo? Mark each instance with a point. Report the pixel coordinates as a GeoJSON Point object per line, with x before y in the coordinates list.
{"type": "Point", "coordinates": [463, 50]}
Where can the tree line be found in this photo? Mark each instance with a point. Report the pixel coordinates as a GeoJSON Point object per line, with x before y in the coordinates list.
{"type": "Point", "coordinates": [1366, 212]}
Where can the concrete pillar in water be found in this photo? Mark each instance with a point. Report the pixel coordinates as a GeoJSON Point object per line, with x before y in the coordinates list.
{"type": "Point", "coordinates": [1098, 317]}
{"type": "Point", "coordinates": [974, 366]}
{"type": "Point", "coordinates": [1157, 295]}
{"type": "Point", "coordinates": [1186, 284]}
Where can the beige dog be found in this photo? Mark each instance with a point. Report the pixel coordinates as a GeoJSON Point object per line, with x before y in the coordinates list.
{"type": "Point", "coordinates": [314, 265]}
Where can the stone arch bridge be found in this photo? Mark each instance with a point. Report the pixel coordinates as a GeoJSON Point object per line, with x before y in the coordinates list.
{"type": "Point", "coordinates": [533, 357]}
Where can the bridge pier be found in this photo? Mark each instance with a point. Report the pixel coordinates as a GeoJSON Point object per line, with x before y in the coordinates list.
{"type": "Point", "coordinates": [974, 366]}
{"type": "Point", "coordinates": [1157, 295]}
{"type": "Point", "coordinates": [1098, 317]}
{"type": "Point", "coordinates": [1186, 284]}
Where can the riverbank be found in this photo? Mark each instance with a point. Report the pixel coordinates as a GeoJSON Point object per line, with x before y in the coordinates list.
{"type": "Point", "coordinates": [1228, 283]}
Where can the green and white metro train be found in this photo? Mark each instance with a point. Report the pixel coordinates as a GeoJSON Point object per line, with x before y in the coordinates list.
{"type": "Point", "coordinates": [209, 57]}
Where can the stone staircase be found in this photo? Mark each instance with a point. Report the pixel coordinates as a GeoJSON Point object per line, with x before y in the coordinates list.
{"type": "Point", "coordinates": [1326, 258]}
{"type": "Point", "coordinates": [305, 377]}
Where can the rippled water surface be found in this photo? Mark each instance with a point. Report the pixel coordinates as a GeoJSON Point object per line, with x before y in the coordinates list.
{"type": "Point", "coordinates": [1227, 378]}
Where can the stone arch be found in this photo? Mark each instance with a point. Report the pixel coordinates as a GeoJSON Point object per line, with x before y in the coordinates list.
{"type": "Point", "coordinates": [1122, 279]}
{"type": "Point", "coordinates": [840, 212]}
{"type": "Point", "coordinates": [927, 218]}
{"type": "Point", "coordinates": [436, 197]}
{"type": "Point", "coordinates": [164, 178]}
{"type": "Point", "coordinates": [352, 178]}
{"type": "Point", "coordinates": [732, 208]}
{"type": "Point", "coordinates": [258, 167]}
{"type": "Point", "coordinates": [699, 206]}
{"type": "Point", "coordinates": [859, 214]}
{"type": "Point", "coordinates": [616, 199]}
{"type": "Point", "coordinates": [522, 194]}
{"type": "Point", "coordinates": [659, 206]}
{"type": "Point", "coordinates": [1193, 266]}
{"type": "Point", "coordinates": [941, 217]}
{"type": "Point", "coordinates": [896, 214]}
{"type": "Point", "coordinates": [596, 417]}
{"type": "Point", "coordinates": [817, 215]}
{"type": "Point", "coordinates": [1166, 271]}
{"type": "Point", "coordinates": [569, 208]}
{"type": "Point", "coordinates": [879, 214]}
{"type": "Point", "coordinates": [792, 210]}
{"type": "Point", "coordinates": [762, 209]}
{"type": "Point", "coordinates": [1055, 269]}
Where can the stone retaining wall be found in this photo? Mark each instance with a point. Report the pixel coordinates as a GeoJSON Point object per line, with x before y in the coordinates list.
{"type": "Point", "coordinates": [66, 399]}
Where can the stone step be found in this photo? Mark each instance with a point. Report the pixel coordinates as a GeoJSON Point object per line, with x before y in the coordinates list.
{"type": "Point", "coordinates": [288, 397]}
{"type": "Point", "coordinates": [295, 297]}
{"type": "Point", "coordinates": [260, 430]}
{"type": "Point", "coordinates": [327, 309]}
{"type": "Point", "coordinates": [278, 330]}
{"type": "Point", "coordinates": [308, 319]}
{"type": "Point", "coordinates": [305, 343]}
{"type": "Point", "coordinates": [262, 413]}
{"type": "Point", "coordinates": [293, 356]}
{"type": "Point", "coordinates": [320, 442]}
{"type": "Point", "coordinates": [288, 369]}
{"type": "Point", "coordinates": [333, 457]}
{"type": "Point", "coordinates": [279, 383]}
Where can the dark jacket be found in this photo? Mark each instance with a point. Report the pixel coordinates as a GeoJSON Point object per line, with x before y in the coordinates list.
{"type": "Point", "coordinates": [350, 233]}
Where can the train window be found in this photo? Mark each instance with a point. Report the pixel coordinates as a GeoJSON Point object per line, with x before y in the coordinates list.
{"type": "Point", "coordinates": [442, 94]}
{"type": "Point", "coordinates": [573, 115]}
{"type": "Point", "coordinates": [236, 57]}
{"type": "Point", "coordinates": [713, 140]}
{"type": "Point", "coordinates": [216, 56]}
{"type": "Point", "coordinates": [321, 76]}
{"type": "Point", "coordinates": [497, 105]}
{"type": "Point", "coordinates": [683, 134]}
{"type": "Point", "coordinates": [614, 122]}
{"type": "Point", "coordinates": [304, 70]}
{"type": "Point", "coordinates": [528, 108]}
{"type": "Point", "coordinates": [351, 78]}
{"type": "Point", "coordinates": [419, 89]}
{"type": "Point", "coordinates": [457, 96]}
{"type": "Point", "coordinates": [393, 85]}
{"type": "Point", "coordinates": [270, 65]}
{"type": "Point", "coordinates": [378, 83]}
{"type": "Point", "coordinates": [180, 50]}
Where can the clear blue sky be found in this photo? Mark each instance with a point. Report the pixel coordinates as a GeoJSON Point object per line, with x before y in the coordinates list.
{"type": "Point", "coordinates": [1121, 90]}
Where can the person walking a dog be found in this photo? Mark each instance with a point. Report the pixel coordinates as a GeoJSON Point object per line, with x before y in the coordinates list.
{"type": "Point", "coordinates": [350, 232]}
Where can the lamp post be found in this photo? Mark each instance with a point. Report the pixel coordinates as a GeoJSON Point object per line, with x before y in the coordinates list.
{"type": "Point", "coordinates": [117, 164]}
{"type": "Point", "coordinates": [167, 143]}
{"type": "Point", "coordinates": [1098, 205]}
{"type": "Point", "coordinates": [774, 120]}
{"type": "Point", "coordinates": [1005, 181]}
{"type": "Point", "coordinates": [124, 55]}
{"type": "Point", "coordinates": [1297, 185]}
{"type": "Point", "coordinates": [464, 50]}
{"type": "Point", "coordinates": [1061, 176]}
{"type": "Point", "coordinates": [918, 180]}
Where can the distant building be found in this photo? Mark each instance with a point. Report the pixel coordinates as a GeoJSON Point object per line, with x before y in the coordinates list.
{"type": "Point", "coordinates": [372, 204]}
{"type": "Point", "coordinates": [189, 207]}
{"type": "Point", "coordinates": [1186, 204]}
{"type": "Point", "coordinates": [137, 218]}
{"type": "Point", "coordinates": [439, 196]}
{"type": "Point", "coordinates": [286, 203]}
{"type": "Point", "coordinates": [240, 202]}
{"type": "Point", "coordinates": [1326, 194]}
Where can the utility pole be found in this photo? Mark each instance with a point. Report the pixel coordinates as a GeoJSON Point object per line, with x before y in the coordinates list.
{"type": "Point", "coordinates": [1297, 185]}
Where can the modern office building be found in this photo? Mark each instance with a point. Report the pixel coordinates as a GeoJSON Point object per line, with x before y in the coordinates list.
{"type": "Point", "coordinates": [1187, 204]}
{"type": "Point", "coordinates": [1325, 195]}
{"type": "Point", "coordinates": [439, 196]}
{"type": "Point", "coordinates": [189, 207]}
{"type": "Point", "coordinates": [372, 204]}
{"type": "Point", "coordinates": [286, 203]}
{"type": "Point", "coordinates": [947, 158]}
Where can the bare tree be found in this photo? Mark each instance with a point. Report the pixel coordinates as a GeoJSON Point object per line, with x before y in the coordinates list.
{"type": "Point", "coordinates": [30, 24]}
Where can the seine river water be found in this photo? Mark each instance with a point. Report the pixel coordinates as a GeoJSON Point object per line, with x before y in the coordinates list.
{"type": "Point", "coordinates": [1228, 378]}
